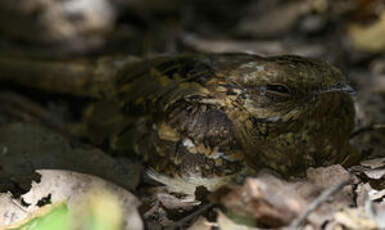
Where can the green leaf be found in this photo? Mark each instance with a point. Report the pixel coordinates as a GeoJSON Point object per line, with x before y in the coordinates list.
{"type": "Point", "coordinates": [56, 219]}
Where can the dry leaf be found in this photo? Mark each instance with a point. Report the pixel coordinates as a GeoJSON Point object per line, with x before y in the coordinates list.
{"type": "Point", "coordinates": [266, 200]}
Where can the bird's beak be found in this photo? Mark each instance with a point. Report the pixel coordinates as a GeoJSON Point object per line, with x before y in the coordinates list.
{"type": "Point", "coordinates": [340, 87]}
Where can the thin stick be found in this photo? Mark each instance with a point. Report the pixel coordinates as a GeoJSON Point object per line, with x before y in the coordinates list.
{"type": "Point", "coordinates": [189, 217]}
{"type": "Point", "coordinates": [316, 203]}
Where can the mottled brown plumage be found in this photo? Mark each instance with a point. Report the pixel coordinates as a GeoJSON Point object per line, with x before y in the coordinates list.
{"type": "Point", "coordinates": [211, 116]}
{"type": "Point", "coordinates": [203, 119]}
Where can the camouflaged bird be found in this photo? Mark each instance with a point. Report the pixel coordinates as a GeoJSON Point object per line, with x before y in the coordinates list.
{"type": "Point", "coordinates": [202, 119]}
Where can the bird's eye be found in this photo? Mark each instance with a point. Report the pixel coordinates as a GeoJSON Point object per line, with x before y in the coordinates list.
{"type": "Point", "coordinates": [277, 89]}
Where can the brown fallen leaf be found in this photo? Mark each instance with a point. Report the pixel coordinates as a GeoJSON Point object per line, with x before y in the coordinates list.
{"type": "Point", "coordinates": [273, 202]}
{"type": "Point", "coordinates": [265, 200]}
{"type": "Point", "coordinates": [326, 177]}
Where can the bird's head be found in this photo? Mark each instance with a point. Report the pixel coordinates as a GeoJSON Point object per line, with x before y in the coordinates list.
{"type": "Point", "coordinates": [285, 87]}
{"type": "Point", "coordinates": [299, 112]}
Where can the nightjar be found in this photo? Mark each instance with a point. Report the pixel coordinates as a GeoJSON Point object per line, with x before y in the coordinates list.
{"type": "Point", "coordinates": [204, 119]}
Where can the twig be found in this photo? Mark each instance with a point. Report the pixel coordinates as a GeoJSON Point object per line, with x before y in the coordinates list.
{"type": "Point", "coordinates": [189, 217]}
{"type": "Point", "coordinates": [316, 203]}
{"type": "Point", "coordinates": [369, 128]}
